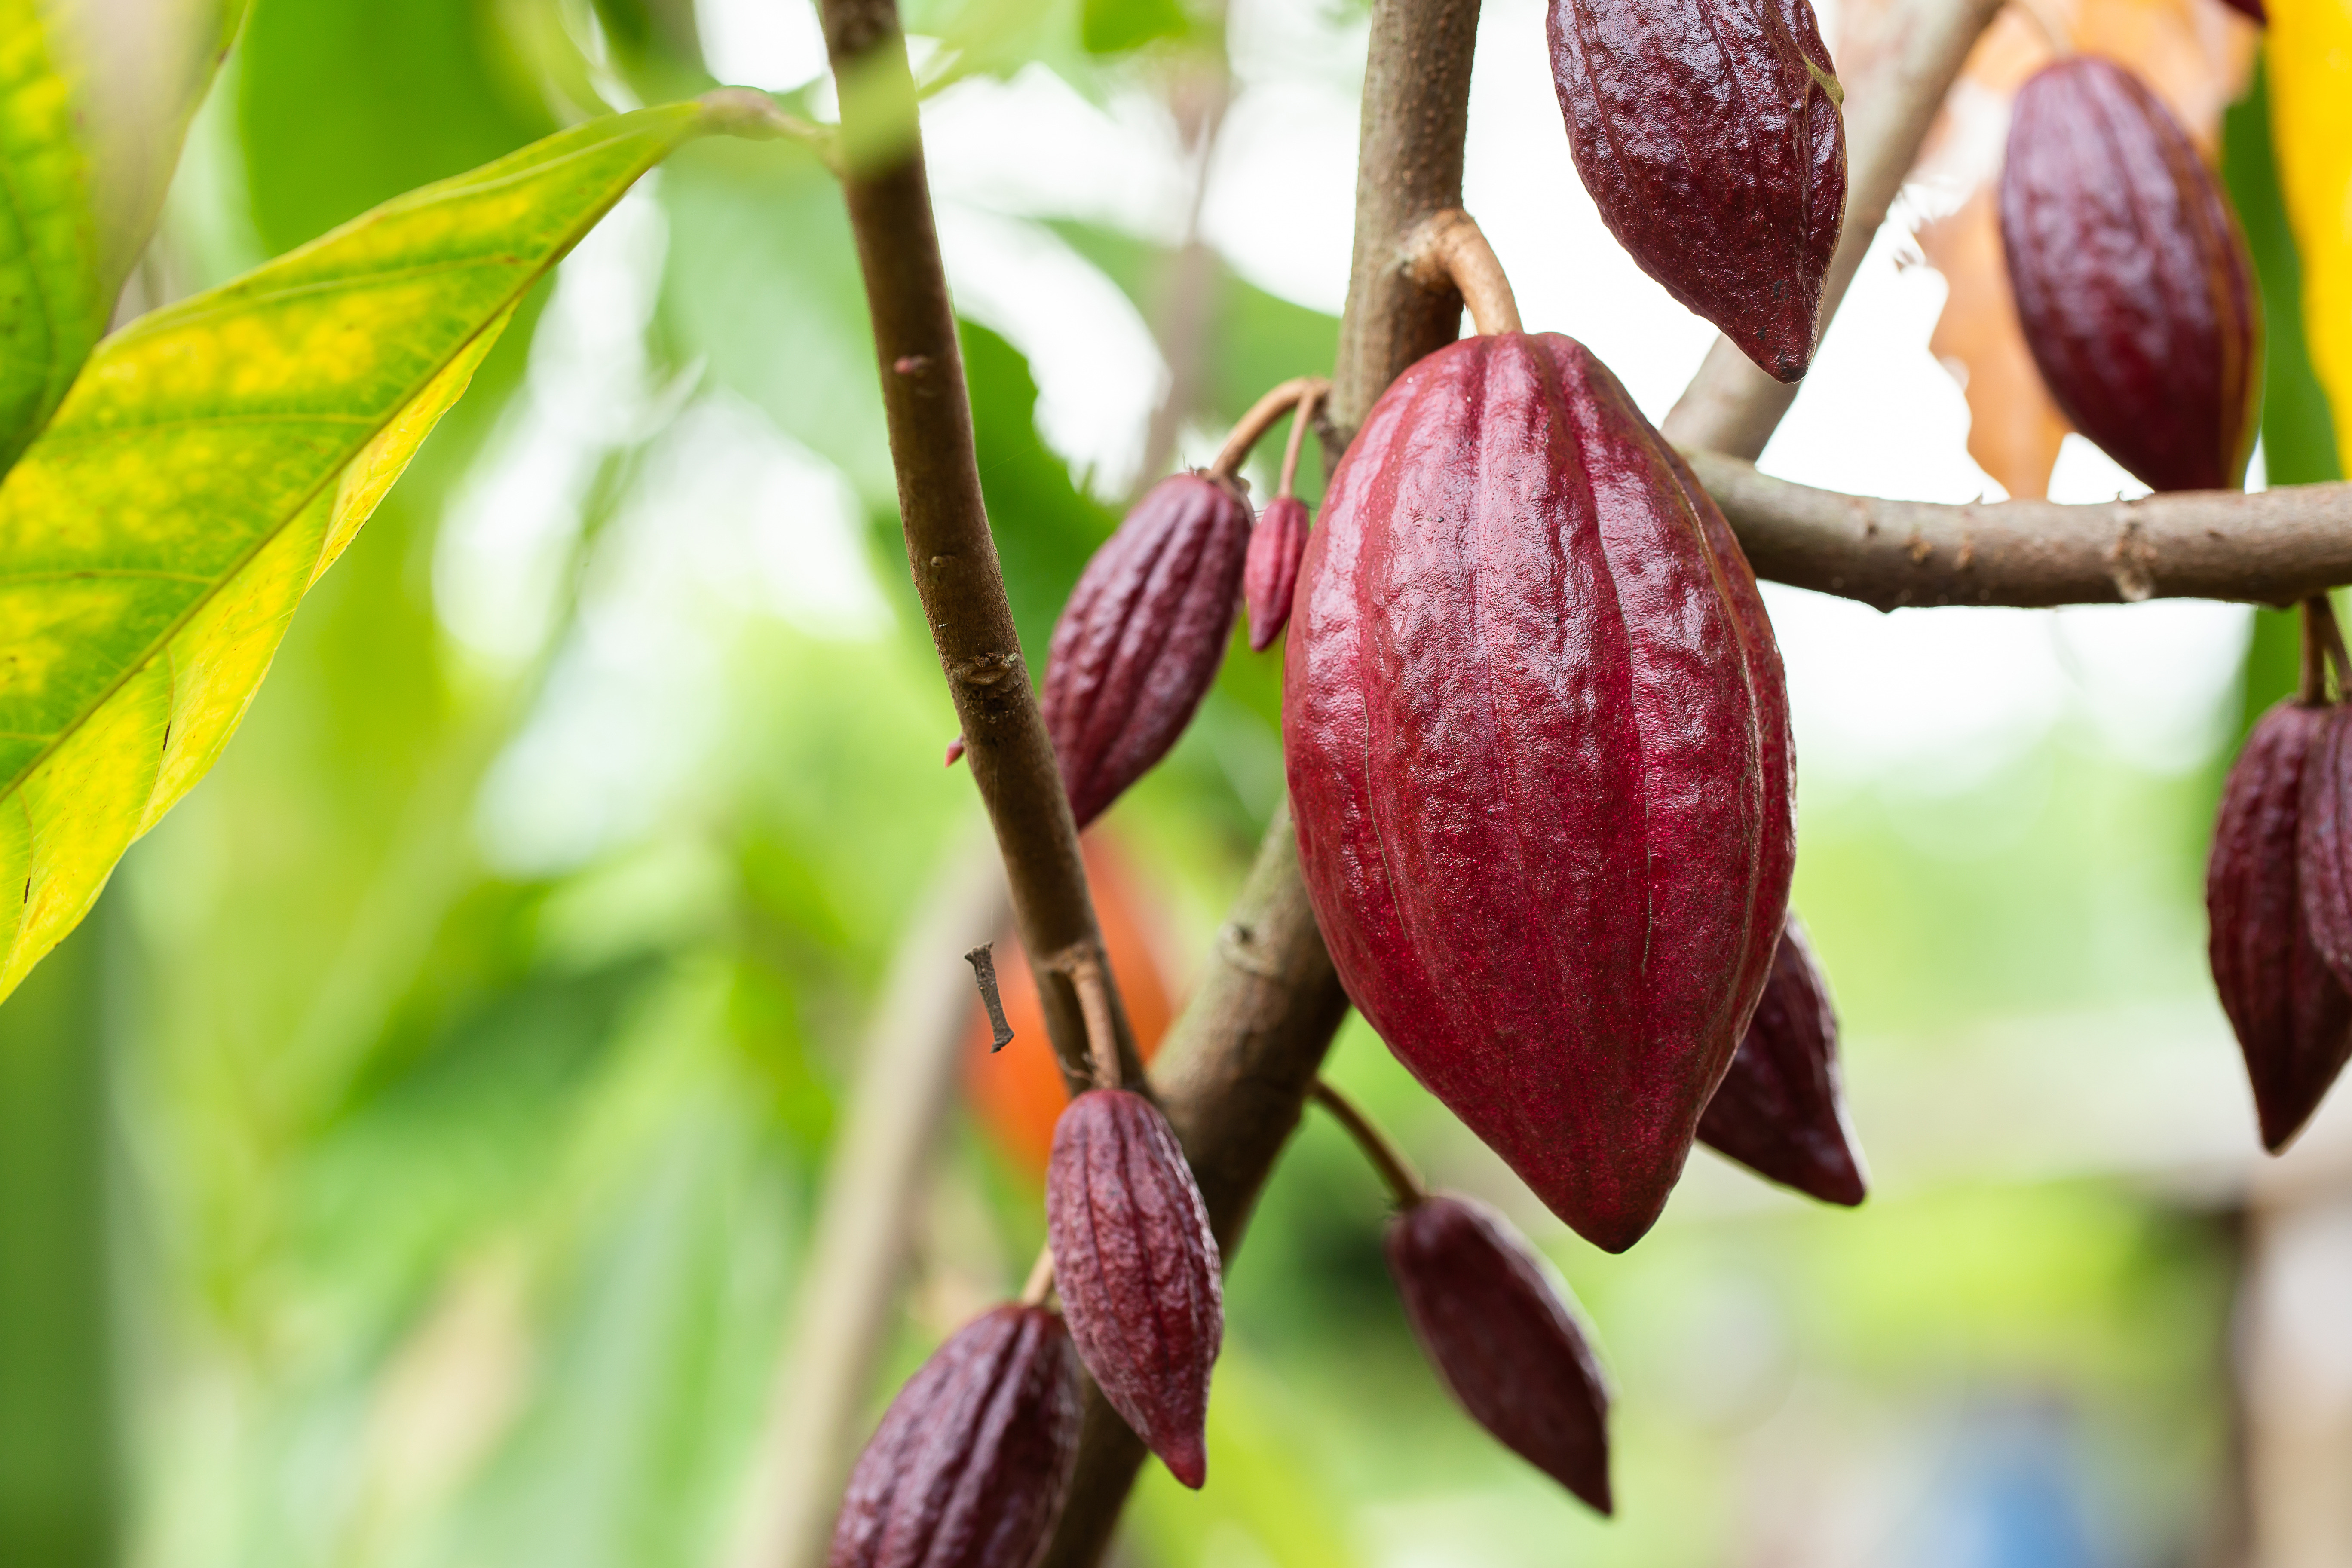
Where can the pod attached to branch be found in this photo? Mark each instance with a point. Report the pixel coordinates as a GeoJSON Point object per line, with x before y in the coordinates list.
{"type": "Point", "coordinates": [1138, 1271]}
{"type": "Point", "coordinates": [1709, 134]}
{"type": "Point", "coordinates": [972, 1461]}
{"type": "Point", "coordinates": [1538, 743]}
{"type": "Point", "coordinates": [2133, 284]}
{"type": "Point", "coordinates": [1780, 1110]}
{"type": "Point", "coordinates": [2277, 853]}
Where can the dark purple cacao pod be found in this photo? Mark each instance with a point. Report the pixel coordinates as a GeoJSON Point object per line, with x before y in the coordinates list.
{"type": "Point", "coordinates": [2293, 1017]}
{"type": "Point", "coordinates": [1142, 636]}
{"type": "Point", "coordinates": [2252, 8]}
{"type": "Point", "coordinates": [2133, 283]}
{"type": "Point", "coordinates": [1271, 575]}
{"type": "Point", "coordinates": [1138, 1271]}
{"type": "Point", "coordinates": [972, 1461]}
{"type": "Point", "coordinates": [1708, 134]}
{"type": "Point", "coordinates": [1491, 1316]}
{"type": "Point", "coordinates": [1780, 1110]}
{"type": "Point", "coordinates": [1539, 755]}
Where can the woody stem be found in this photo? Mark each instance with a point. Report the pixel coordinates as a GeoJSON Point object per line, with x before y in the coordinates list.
{"type": "Point", "coordinates": [1298, 393]}
{"type": "Point", "coordinates": [1383, 1154]}
{"type": "Point", "coordinates": [1040, 1283]}
{"type": "Point", "coordinates": [1449, 250]}
{"type": "Point", "coordinates": [1299, 419]}
{"type": "Point", "coordinates": [1086, 973]}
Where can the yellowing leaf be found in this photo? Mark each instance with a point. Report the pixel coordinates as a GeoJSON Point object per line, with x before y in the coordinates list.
{"type": "Point", "coordinates": [211, 461]}
{"type": "Point", "coordinates": [2310, 58]}
{"type": "Point", "coordinates": [51, 306]}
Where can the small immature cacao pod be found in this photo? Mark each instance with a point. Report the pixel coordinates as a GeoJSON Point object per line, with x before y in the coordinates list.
{"type": "Point", "coordinates": [1138, 1271]}
{"type": "Point", "coordinates": [1142, 636]}
{"type": "Point", "coordinates": [2293, 1016]}
{"type": "Point", "coordinates": [1537, 743]}
{"type": "Point", "coordinates": [1780, 1110]}
{"type": "Point", "coordinates": [1271, 575]}
{"type": "Point", "coordinates": [1708, 134]}
{"type": "Point", "coordinates": [2133, 283]}
{"type": "Point", "coordinates": [972, 1461]}
{"type": "Point", "coordinates": [1492, 1315]}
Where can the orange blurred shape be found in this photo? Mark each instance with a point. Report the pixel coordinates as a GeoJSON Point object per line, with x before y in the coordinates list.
{"type": "Point", "coordinates": [1017, 1092]}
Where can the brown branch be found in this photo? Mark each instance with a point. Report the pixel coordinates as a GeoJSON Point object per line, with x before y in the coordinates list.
{"type": "Point", "coordinates": [2274, 548]}
{"type": "Point", "coordinates": [1241, 1058]}
{"type": "Point", "coordinates": [948, 547]}
{"type": "Point", "coordinates": [1911, 60]}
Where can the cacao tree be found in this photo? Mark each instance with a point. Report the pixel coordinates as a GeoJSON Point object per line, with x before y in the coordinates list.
{"type": "Point", "coordinates": [1537, 816]}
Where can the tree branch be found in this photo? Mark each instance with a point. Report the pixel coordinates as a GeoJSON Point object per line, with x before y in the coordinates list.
{"type": "Point", "coordinates": [2274, 548]}
{"type": "Point", "coordinates": [1908, 63]}
{"type": "Point", "coordinates": [948, 547]}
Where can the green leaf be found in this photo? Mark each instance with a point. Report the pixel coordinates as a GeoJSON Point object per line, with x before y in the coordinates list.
{"type": "Point", "coordinates": [212, 461]}
{"type": "Point", "coordinates": [51, 307]}
{"type": "Point", "coordinates": [95, 100]}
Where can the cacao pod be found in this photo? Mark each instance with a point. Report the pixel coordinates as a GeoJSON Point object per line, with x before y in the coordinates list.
{"type": "Point", "coordinates": [2252, 9]}
{"type": "Point", "coordinates": [2293, 1017]}
{"type": "Point", "coordinates": [2133, 284]}
{"type": "Point", "coordinates": [1708, 134]}
{"type": "Point", "coordinates": [1538, 743]}
{"type": "Point", "coordinates": [1271, 574]}
{"type": "Point", "coordinates": [1780, 1110]}
{"type": "Point", "coordinates": [1138, 1271]}
{"type": "Point", "coordinates": [972, 1461]}
{"type": "Point", "coordinates": [1142, 636]}
{"type": "Point", "coordinates": [1493, 1317]}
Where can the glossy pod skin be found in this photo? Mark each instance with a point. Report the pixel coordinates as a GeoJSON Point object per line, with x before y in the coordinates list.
{"type": "Point", "coordinates": [2293, 1016]}
{"type": "Point", "coordinates": [1538, 743]}
{"type": "Point", "coordinates": [1270, 577]}
{"type": "Point", "coordinates": [1141, 637]}
{"type": "Point", "coordinates": [972, 1461]}
{"type": "Point", "coordinates": [1708, 134]}
{"type": "Point", "coordinates": [1493, 1318]}
{"type": "Point", "coordinates": [1780, 1110]}
{"type": "Point", "coordinates": [2133, 283]}
{"type": "Point", "coordinates": [1138, 1271]}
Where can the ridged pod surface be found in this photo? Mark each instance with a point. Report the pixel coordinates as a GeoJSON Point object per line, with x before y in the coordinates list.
{"type": "Point", "coordinates": [1537, 743]}
{"type": "Point", "coordinates": [1270, 577]}
{"type": "Point", "coordinates": [1493, 1317]}
{"type": "Point", "coordinates": [2293, 1017]}
{"type": "Point", "coordinates": [2324, 872]}
{"type": "Point", "coordinates": [1138, 1271]}
{"type": "Point", "coordinates": [1708, 134]}
{"type": "Point", "coordinates": [1141, 637]}
{"type": "Point", "coordinates": [2133, 284]}
{"type": "Point", "coordinates": [972, 1461]}
{"type": "Point", "coordinates": [1780, 1110]}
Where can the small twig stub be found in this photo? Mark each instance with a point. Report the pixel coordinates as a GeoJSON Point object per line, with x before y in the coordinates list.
{"type": "Point", "coordinates": [982, 960]}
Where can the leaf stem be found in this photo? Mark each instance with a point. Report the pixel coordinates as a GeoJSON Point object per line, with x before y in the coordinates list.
{"type": "Point", "coordinates": [1384, 1156]}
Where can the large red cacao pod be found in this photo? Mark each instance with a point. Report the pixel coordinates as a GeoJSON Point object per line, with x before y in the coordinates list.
{"type": "Point", "coordinates": [1780, 1110]}
{"type": "Point", "coordinates": [1142, 636]}
{"type": "Point", "coordinates": [972, 1461]}
{"type": "Point", "coordinates": [2133, 283]}
{"type": "Point", "coordinates": [1708, 134]}
{"type": "Point", "coordinates": [1538, 754]}
{"type": "Point", "coordinates": [1493, 1317]}
{"type": "Point", "coordinates": [2293, 1017]}
{"type": "Point", "coordinates": [1138, 1271]}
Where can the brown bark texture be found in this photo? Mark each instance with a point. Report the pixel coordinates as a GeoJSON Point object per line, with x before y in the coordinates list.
{"type": "Point", "coordinates": [948, 547]}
